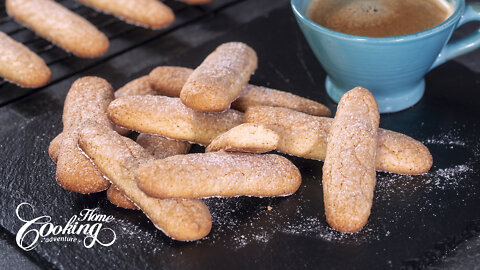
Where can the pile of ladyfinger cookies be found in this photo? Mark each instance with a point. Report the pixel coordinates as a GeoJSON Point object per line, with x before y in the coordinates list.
{"type": "Point", "coordinates": [70, 32]}
{"type": "Point", "coordinates": [214, 106]}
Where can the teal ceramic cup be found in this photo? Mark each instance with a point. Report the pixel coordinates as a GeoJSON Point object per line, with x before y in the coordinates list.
{"type": "Point", "coordinates": [392, 68]}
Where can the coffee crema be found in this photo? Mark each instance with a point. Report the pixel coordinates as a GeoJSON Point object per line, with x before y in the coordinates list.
{"type": "Point", "coordinates": [379, 18]}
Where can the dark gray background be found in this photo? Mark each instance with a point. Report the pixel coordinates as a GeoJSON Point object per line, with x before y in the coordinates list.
{"type": "Point", "coordinates": [137, 50]}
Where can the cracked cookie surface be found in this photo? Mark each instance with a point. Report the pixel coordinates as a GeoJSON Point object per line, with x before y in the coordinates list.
{"type": "Point", "coordinates": [349, 175]}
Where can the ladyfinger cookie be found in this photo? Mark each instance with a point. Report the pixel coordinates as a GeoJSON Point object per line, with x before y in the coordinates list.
{"type": "Point", "coordinates": [146, 13]}
{"type": "Point", "coordinates": [54, 147]}
{"type": "Point", "coordinates": [218, 81]}
{"type": "Point", "coordinates": [117, 198]}
{"type": "Point", "coordinates": [254, 138]}
{"type": "Point", "coordinates": [218, 174]}
{"type": "Point", "coordinates": [20, 65]}
{"type": "Point", "coordinates": [117, 157]}
{"type": "Point", "coordinates": [87, 101]}
{"type": "Point", "coordinates": [305, 136]}
{"type": "Point", "coordinates": [58, 24]}
{"type": "Point", "coordinates": [139, 86]}
{"type": "Point", "coordinates": [159, 147]}
{"type": "Point", "coordinates": [252, 96]}
{"type": "Point", "coordinates": [168, 81]}
{"type": "Point", "coordinates": [349, 170]}
{"type": "Point", "coordinates": [168, 117]}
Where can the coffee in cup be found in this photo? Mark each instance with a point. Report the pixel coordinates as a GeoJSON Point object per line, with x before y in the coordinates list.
{"type": "Point", "coordinates": [379, 18]}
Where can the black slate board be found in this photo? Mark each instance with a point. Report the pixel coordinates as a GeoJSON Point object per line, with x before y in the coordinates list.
{"type": "Point", "coordinates": [415, 219]}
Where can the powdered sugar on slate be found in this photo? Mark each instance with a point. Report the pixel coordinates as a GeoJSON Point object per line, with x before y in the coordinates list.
{"type": "Point", "coordinates": [451, 138]}
{"type": "Point", "coordinates": [238, 225]}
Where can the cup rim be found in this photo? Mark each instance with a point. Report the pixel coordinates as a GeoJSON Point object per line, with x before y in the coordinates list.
{"type": "Point", "coordinates": [430, 31]}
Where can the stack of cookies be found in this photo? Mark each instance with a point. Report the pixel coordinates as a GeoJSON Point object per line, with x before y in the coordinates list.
{"type": "Point", "coordinates": [71, 32]}
{"type": "Point", "coordinates": [214, 106]}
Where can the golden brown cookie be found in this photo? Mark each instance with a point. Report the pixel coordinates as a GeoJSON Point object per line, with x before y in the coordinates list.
{"type": "Point", "coordinates": [252, 96]}
{"type": "Point", "coordinates": [61, 26]}
{"type": "Point", "coordinates": [55, 146]}
{"type": "Point", "coordinates": [117, 157]}
{"type": "Point", "coordinates": [401, 154]}
{"type": "Point", "coordinates": [159, 147]}
{"type": "Point", "coordinates": [301, 134]}
{"type": "Point", "coordinates": [139, 86]}
{"type": "Point", "coordinates": [254, 138]}
{"type": "Point", "coordinates": [218, 81]}
{"type": "Point", "coordinates": [218, 174]}
{"type": "Point", "coordinates": [20, 65]}
{"type": "Point", "coordinates": [168, 81]}
{"type": "Point", "coordinates": [86, 102]}
{"type": "Point", "coordinates": [305, 136]}
{"type": "Point", "coordinates": [146, 13]}
{"type": "Point", "coordinates": [117, 198]}
{"type": "Point", "coordinates": [349, 170]}
{"type": "Point", "coordinates": [168, 117]}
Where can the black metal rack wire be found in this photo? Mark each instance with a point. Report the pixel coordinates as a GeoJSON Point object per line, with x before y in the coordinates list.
{"type": "Point", "coordinates": [122, 37]}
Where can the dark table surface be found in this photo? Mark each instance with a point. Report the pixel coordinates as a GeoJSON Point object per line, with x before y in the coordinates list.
{"type": "Point", "coordinates": [432, 219]}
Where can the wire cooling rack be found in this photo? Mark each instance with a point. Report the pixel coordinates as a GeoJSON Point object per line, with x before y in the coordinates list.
{"type": "Point", "coordinates": [122, 36]}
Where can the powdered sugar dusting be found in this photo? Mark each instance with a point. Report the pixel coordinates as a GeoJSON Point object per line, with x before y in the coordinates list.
{"type": "Point", "coordinates": [449, 177]}
{"type": "Point", "coordinates": [240, 222]}
{"type": "Point", "coordinates": [450, 138]}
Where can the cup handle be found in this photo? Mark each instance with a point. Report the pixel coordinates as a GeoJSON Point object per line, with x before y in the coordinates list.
{"type": "Point", "coordinates": [465, 44]}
